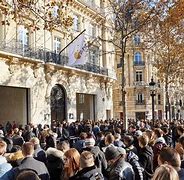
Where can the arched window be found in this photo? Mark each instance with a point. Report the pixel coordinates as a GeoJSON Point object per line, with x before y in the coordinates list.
{"type": "Point", "coordinates": [137, 58]}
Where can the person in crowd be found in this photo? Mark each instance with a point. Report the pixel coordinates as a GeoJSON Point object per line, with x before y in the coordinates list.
{"type": "Point", "coordinates": [165, 172]}
{"type": "Point", "coordinates": [39, 153]}
{"type": "Point", "coordinates": [28, 163]}
{"type": "Point", "coordinates": [96, 128]}
{"type": "Point", "coordinates": [159, 144]}
{"type": "Point", "coordinates": [146, 156]}
{"type": "Point", "coordinates": [16, 156]}
{"type": "Point", "coordinates": [63, 146]}
{"type": "Point", "coordinates": [109, 141]}
{"type": "Point", "coordinates": [88, 169]}
{"type": "Point", "coordinates": [170, 156]}
{"type": "Point", "coordinates": [99, 156]}
{"type": "Point", "coordinates": [100, 140]}
{"type": "Point", "coordinates": [17, 138]}
{"type": "Point", "coordinates": [80, 144]}
{"type": "Point", "coordinates": [167, 135]}
{"type": "Point", "coordinates": [117, 168]}
{"type": "Point", "coordinates": [71, 163]}
{"type": "Point", "coordinates": [129, 144]}
{"type": "Point", "coordinates": [50, 139]}
{"type": "Point", "coordinates": [4, 165]}
{"type": "Point", "coordinates": [180, 149]}
{"type": "Point", "coordinates": [27, 175]}
{"type": "Point", "coordinates": [9, 141]}
{"type": "Point", "coordinates": [55, 163]}
{"type": "Point", "coordinates": [133, 159]}
{"type": "Point", "coordinates": [150, 135]}
{"type": "Point", "coordinates": [1, 134]}
{"type": "Point", "coordinates": [28, 134]}
{"type": "Point", "coordinates": [117, 140]}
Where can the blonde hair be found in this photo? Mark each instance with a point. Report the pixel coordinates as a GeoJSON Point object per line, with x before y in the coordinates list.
{"type": "Point", "coordinates": [165, 171]}
{"type": "Point", "coordinates": [86, 159]}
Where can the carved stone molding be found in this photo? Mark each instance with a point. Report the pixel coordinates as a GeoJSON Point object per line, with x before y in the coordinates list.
{"type": "Point", "coordinates": [49, 71]}
{"type": "Point", "coordinates": [13, 63]}
{"type": "Point", "coordinates": [35, 67]}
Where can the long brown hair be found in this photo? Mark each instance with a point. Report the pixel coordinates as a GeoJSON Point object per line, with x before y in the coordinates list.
{"type": "Point", "coordinates": [72, 165]}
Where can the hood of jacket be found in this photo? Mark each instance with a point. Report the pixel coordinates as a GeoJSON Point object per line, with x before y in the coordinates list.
{"type": "Point", "coordinates": [160, 140]}
{"type": "Point", "coordinates": [132, 156]}
{"type": "Point", "coordinates": [54, 153]}
{"type": "Point", "coordinates": [2, 160]}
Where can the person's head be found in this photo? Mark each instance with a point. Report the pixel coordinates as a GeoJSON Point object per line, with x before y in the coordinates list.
{"type": "Point", "coordinates": [117, 137]}
{"type": "Point", "coordinates": [27, 175]}
{"type": "Point", "coordinates": [89, 142]}
{"type": "Point", "coordinates": [111, 154]}
{"type": "Point", "coordinates": [128, 140]}
{"type": "Point", "coordinates": [150, 135]}
{"type": "Point", "coordinates": [180, 130]}
{"type": "Point", "coordinates": [63, 146]}
{"type": "Point", "coordinates": [72, 161]}
{"type": "Point", "coordinates": [165, 172]}
{"type": "Point", "coordinates": [83, 135]}
{"type": "Point", "coordinates": [169, 156]}
{"type": "Point", "coordinates": [27, 149]}
{"type": "Point", "coordinates": [35, 141]}
{"type": "Point", "coordinates": [143, 141]}
{"type": "Point", "coordinates": [181, 141]}
{"type": "Point", "coordinates": [3, 146]}
{"type": "Point", "coordinates": [109, 139]}
{"type": "Point", "coordinates": [86, 159]}
{"type": "Point", "coordinates": [158, 133]}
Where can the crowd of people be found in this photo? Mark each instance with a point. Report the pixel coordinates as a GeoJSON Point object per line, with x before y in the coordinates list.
{"type": "Point", "coordinates": [88, 150]}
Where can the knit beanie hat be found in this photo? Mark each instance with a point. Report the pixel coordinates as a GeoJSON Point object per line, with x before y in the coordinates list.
{"type": "Point", "coordinates": [89, 142]}
{"type": "Point", "coordinates": [111, 153]}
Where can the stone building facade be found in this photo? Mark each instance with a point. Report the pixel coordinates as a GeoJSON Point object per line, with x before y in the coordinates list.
{"type": "Point", "coordinates": [138, 73]}
{"type": "Point", "coordinates": [38, 86]}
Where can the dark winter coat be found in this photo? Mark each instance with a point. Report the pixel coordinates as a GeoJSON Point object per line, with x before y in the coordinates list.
{"type": "Point", "coordinates": [160, 143]}
{"type": "Point", "coordinates": [54, 163]}
{"type": "Point", "coordinates": [133, 159]}
{"type": "Point", "coordinates": [88, 173]}
{"type": "Point", "coordinates": [100, 160]}
{"type": "Point", "coordinates": [146, 161]}
{"type": "Point", "coordinates": [120, 170]}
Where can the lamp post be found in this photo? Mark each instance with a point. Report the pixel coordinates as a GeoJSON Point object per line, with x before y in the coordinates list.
{"type": "Point", "coordinates": [152, 94]}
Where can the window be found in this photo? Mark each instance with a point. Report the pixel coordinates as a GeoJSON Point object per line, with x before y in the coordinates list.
{"type": "Point", "coordinates": [137, 40]}
{"type": "Point", "coordinates": [76, 22]}
{"type": "Point", "coordinates": [94, 55]}
{"type": "Point", "coordinates": [91, 30]}
{"type": "Point", "coordinates": [140, 98]}
{"type": "Point", "coordinates": [57, 44]}
{"type": "Point", "coordinates": [139, 76]}
{"type": "Point", "coordinates": [159, 99]}
{"type": "Point", "coordinates": [23, 36]}
{"type": "Point", "coordinates": [81, 98]}
{"type": "Point", "coordinates": [137, 58]}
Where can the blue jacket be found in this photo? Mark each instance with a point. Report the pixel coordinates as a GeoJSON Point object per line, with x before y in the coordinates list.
{"type": "Point", "coordinates": [4, 166]}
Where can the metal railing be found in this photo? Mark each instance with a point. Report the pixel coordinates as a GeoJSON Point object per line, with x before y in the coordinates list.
{"type": "Point", "coordinates": [140, 102]}
{"type": "Point", "coordinates": [139, 63]}
{"type": "Point", "coordinates": [49, 56]}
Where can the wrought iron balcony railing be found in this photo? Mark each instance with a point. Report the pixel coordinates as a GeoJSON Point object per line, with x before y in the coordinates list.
{"type": "Point", "coordinates": [48, 56]}
{"type": "Point", "coordinates": [139, 63]}
{"type": "Point", "coordinates": [139, 83]}
{"type": "Point", "coordinates": [140, 102]}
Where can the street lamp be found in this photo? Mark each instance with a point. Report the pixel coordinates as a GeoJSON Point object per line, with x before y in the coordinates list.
{"type": "Point", "coordinates": [152, 94]}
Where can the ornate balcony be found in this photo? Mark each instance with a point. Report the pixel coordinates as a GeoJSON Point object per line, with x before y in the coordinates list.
{"type": "Point", "coordinates": [139, 63]}
{"type": "Point", "coordinates": [52, 57]}
{"type": "Point", "coordinates": [142, 102]}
